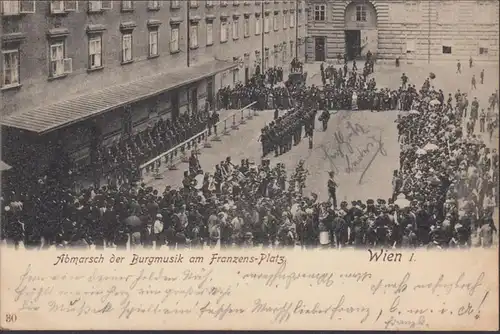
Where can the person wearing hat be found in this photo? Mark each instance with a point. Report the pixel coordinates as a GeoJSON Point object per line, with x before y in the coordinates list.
{"type": "Point", "coordinates": [158, 231]}
{"type": "Point", "coordinates": [332, 189]}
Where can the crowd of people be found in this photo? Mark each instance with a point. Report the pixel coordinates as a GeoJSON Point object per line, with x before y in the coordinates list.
{"type": "Point", "coordinates": [444, 190]}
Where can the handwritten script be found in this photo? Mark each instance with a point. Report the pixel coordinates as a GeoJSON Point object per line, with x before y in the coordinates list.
{"type": "Point", "coordinates": [340, 290]}
{"type": "Point", "coordinates": [354, 146]}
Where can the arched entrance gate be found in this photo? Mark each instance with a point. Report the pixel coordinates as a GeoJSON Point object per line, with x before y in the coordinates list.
{"type": "Point", "coordinates": [360, 25]}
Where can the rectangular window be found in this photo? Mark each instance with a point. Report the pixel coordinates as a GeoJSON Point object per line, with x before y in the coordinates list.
{"type": "Point", "coordinates": [292, 20]}
{"type": "Point", "coordinates": [246, 27]}
{"type": "Point", "coordinates": [107, 4]}
{"type": "Point", "coordinates": [174, 39]}
{"type": "Point", "coordinates": [266, 24]}
{"type": "Point", "coordinates": [285, 22]}
{"type": "Point", "coordinates": [410, 46]}
{"type": "Point", "coordinates": [258, 25]}
{"type": "Point", "coordinates": [153, 43]}
{"type": "Point", "coordinates": [292, 51]}
{"type": "Point", "coordinates": [193, 3]}
{"type": "Point", "coordinates": [223, 2]}
{"type": "Point", "coordinates": [126, 47]}
{"type": "Point", "coordinates": [95, 6]}
{"type": "Point", "coordinates": [236, 32]}
{"type": "Point", "coordinates": [446, 12]}
{"type": "Point", "coordinates": [56, 6]}
{"type": "Point", "coordinates": [276, 22]}
{"type": "Point", "coordinates": [360, 13]}
{"type": "Point", "coordinates": [154, 4]}
{"type": "Point", "coordinates": [483, 48]}
{"type": "Point", "coordinates": [175, 4]}
{"type": "Point", "coordinates": [70, 6]}
{"type": "Point", "coordinates": [127, 5]}
{"type": "Point", "coordinates": [11, 7]}
{"type": "Point", "coordinates": [16, 7]}
{"type": "Point", "coordinates": [210, 33]}
{"type": "Point", "coordinates": [412, 11]}
{"type": "Point", "coordinates": [235, 76]}
{"type": "Point", "coordinates": [223, 31]}
{"type": "Point", "coordinates": [10, 77]}
{"type": "Point", "coordinates": [319, 13]}
{"type": "Point", "coordinates": [193, 36]}
{"type": "Point", "coordinates": [57, 60]}
{"type": "Point", "coordinates": [210, 3]}
{"type": "Point", "coordinates": [446, 49]}
{"type": "Point", "coordinates": [95, 52]}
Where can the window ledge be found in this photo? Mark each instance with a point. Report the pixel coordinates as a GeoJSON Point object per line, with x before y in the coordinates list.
{"type": "Point", "coordinates": [175, 7]}
{"type": "Point", "coordinates": [95, 69]}
{"type": "Point", "coordinates": [246, 36]}
{"type": "Point", "coordinates": [129, 10]}
{"type": "Point", "coordinates": [210, 44]}
{"type": "Point", "coordinates": [153, 56]}
{"type": "Point", "coordinates": [11, 87]}
{"type": "Point", "coordinates": [153, 9]}
{"type": "Point", "coordinates": [52, 78]}
{"type": "Point", "coordinates": [100, 11]}
{"type": "Point", "coordinates": [235, 38]}
{"type": "Point", "coordinates": [12, 14]}
{"type": "Point", "coordinates": [63, 13]}
{"type": "Point", "coordinates": [193, 47]}
{"type": "Point", "coordinates": [222, 42]}
{"type": "Point", "coordinates": [127, 62]}
{"type": "Point", "coordinates": [175, 51]}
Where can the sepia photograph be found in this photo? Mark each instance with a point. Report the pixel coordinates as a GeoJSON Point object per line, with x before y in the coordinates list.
{"type": "Point", "coordinates": [223, 124]}
{"type": "Point", "coordinates": [249, 165]}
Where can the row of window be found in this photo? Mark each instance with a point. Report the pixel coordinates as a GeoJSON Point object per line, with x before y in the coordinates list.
{"type": "Point", "coordinates": [16, 7]}
{"type": "Point", "coordinates": [60, 64]}
{"type": "Point", "coordinates": [320, 13]}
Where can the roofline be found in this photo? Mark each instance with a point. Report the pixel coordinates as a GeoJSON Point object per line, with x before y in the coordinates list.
{"type": "Point", "coordinates": [102, 111]}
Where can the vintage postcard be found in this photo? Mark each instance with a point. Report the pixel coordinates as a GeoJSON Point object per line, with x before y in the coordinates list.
{"type": "Point", "coordinates": [300, 164]}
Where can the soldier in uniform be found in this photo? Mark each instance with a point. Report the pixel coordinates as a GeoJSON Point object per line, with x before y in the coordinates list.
{"type": "Point", "coordinates": [482, 121]}
{"type": "Point", "coordinates": [332, 189]}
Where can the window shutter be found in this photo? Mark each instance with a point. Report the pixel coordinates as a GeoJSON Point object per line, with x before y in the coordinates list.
{"type": "Point", "coordinates": [70, 5]}
{"type": "Point", "coordinates": [27, 6]}
{"type": "Point", "coordinates": [68, 65]}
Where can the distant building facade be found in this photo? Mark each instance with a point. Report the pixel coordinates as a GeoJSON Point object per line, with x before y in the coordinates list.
{"type": "Point", "coordinates": [77, 72]}
{"type": "Point", "coordinates": [409, 29]}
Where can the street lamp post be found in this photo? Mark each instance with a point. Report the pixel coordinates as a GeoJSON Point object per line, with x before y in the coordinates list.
{"type": "Point", "coordinates": [188, 35]}
{"type": "Point", "coordinates": [296, 28]}
{"type": "Point", "coordinates": [262, 37]}
{"type": "Point", "coordinates": [429, 33]}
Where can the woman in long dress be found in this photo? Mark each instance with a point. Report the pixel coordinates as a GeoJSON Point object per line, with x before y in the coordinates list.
{"type": "Point", "coordinates": [354, 103]}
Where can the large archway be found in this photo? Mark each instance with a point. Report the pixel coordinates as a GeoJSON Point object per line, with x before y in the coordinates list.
{"type": "Point", "coordinates": [360, 25]}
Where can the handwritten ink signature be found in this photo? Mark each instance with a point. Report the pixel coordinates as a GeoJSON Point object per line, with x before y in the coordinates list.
{"type": "Point", "coordinates": [353, 156]}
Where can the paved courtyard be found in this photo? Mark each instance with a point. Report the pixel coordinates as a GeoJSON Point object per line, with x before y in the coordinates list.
{"type": "Point", "coordinates": [368, 173]}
